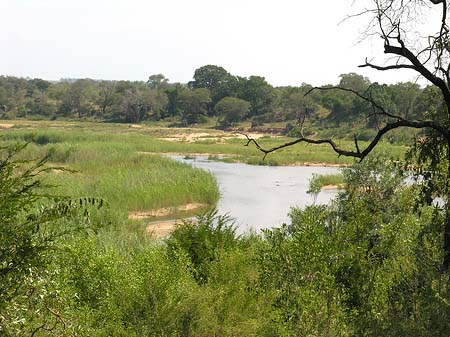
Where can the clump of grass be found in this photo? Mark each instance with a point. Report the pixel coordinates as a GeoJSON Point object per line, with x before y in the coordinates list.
{"type": "Point", "coordinates": [147, 139]}
{"type": "Point", "coordinates": [112, 168]}
{"type": "Point", "coordinates": [114, 161]}
{"type": "Point", "coordinates": [135, 182]}
{"type": "Point", "coordinates": [319, 181]}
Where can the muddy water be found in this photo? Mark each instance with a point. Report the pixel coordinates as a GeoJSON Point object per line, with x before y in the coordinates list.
{"type": "Point", "coordinates": [261, 196]}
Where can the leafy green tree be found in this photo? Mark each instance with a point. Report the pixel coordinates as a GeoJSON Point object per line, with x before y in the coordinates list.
{"type": "Point", "coordinates": [217, 80]}
{"type": "Point", "coordinates": [78, 99]}
{"type": "Point", "coordinates": [40, 84]}
{"type": "Point", "coordinates": [138, 102]}
{"type": "Point", "coordinates": [41, 104]}
{"type": "Point", "coordinates": [173, 93]}
{"type": "Point", "coordinates": [393, 25]}
{"type": "Point", "coordinates": [231, 110]}
{"type": "Point", "coordinates": [157, 104]}
{"type": "Point", "coordinates": [194, 105]}
{"type": "Point", "coordinates": [209, 76]}
{"type": "Point", "coordinates": [203, 241]}
{"type": "Point", "coordinates": [32, 223]}
{"type": "Point", "coordinates": [354, 81]}
{"type": "Point", "coordinates": [134, 105]}
{"type": "Point", "coordinates": [158, 82]}
{"type": "Point", "coordinates": [258, 93]}
{"type": "Point", "coordinates": [344, 106]}
{"type": "Point", "coordinates": [406, 97]}
{"type": "Point", "coordinates": [106, 96]}
{"type": "Point", "coordinates": [298, 106]}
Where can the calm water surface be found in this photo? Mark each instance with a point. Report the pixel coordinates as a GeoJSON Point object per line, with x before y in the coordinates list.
{"type": "Point", "coordinates": [261, 196]}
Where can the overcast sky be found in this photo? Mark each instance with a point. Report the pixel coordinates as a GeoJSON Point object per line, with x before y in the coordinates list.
{"type": "Point", "coordinates": [286, 41]}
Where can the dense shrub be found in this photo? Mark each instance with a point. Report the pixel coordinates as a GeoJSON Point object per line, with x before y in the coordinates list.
{"type": "Point", "coordinates": [202, 241]}
{"type": "Point", "coordinates": [32, 226]}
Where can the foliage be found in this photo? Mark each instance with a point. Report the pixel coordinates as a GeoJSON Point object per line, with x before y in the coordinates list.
{"type": "Point", "coordinates": [366, 266]}
{"type": "Point", "coordinates": [231, 110]}
{"type": "Point", "coordinates": [318, 181]}
{"type": "Point", "coordinates": [216, 79]}
{"type": "Point", "coordinates": [158, 99]}
{"type": "Point", "coordinates": [194, 105]}
{"type": "Point", "coordinates": [203, 241]}
{"type": "Point", "coordinates": [32, 224]}
{"type": "Point", "coordinates": [111, 168]}
{"type": "Point", "coordinates": [369, 264]}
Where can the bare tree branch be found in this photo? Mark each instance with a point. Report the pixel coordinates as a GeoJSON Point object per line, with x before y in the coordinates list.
{"type": "Point", "coordinates": [419, 67]}
{"type": "Point", "coordinates": [352, 153]}
{"type": "Point", "coordinates": [390, 67]}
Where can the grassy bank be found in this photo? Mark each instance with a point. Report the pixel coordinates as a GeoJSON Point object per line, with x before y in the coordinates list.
{"type": "Point", "coordinates": [121, 163]}
{"type": "Point", "coordinates": [110, 167]}
{"type": "Point", "coordinates": [155, 139]}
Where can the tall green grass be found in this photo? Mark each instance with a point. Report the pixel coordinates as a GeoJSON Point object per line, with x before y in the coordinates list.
{"type": "Point", "coordinates": [147, 139]}
{"type": "Point", "coordinates": [111, 167]}
{"type": "Point", "coordinates": [119, 162]}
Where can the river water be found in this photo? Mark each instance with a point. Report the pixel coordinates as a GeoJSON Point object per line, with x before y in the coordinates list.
{"type": "Point", "coordinates": [260, 197]}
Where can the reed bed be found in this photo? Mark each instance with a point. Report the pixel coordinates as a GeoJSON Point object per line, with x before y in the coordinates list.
{"type": "Point", "coordinates": [122, 164]}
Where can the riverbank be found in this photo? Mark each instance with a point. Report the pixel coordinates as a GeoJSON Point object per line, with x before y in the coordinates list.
{"type": "Point", "coordinates": [122, 163]}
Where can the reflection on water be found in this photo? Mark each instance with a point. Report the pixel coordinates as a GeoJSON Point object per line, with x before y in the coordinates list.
{"type": "Point", "coordinates": [261, 196]}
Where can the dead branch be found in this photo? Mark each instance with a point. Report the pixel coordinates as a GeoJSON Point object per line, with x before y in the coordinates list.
{"type": "Point", "coordinates": [390, 67]}
{"type": "Point", "coordinates": [357, 153]}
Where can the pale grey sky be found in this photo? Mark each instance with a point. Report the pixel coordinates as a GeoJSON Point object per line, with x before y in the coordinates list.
{"type": "Point", "coordinates": [286, 41]}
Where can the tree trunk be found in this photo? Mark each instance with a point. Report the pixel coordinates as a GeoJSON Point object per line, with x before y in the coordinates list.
{"type": "Point", "coordinates": [447, 213]}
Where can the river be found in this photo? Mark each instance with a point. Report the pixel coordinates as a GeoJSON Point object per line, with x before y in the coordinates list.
{"type": "Point", "coordinates": [260, 197]}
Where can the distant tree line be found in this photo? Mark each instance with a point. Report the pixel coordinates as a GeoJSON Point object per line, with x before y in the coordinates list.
{"type": "Point", "coordinates": [213, 92]}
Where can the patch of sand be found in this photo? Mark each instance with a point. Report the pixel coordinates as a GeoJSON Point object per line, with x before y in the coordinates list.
{"type": "Point", "coordinates": [164, 211]}
{"type": "Point", "coordinates": [217, 136]}
{"type": "Point", "coordinates": [6, 126]}
{"type": "Point", "coordinates": [332, 187]}
{"type": "Point", "coordinates": [251, 135]}
{"type": "Point", "coordinates": [322, 164]}
{"type": "Point", "coordinates": [188, 154]}
{"type": "Point", "coordinates": [161, 229]}
{"type": "Point", "coordinates": [189, 137]}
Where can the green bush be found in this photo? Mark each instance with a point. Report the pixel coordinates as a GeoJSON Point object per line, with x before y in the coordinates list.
{"type": "Point", "coordinates": [202, 241]}
{"type": "Point", "coordinates": [32, 225]}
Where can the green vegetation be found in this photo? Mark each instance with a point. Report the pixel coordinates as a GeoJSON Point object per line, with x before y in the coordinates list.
{"type": "Point", "coordinates": [153, 139]}
{"type": "Point", "coordinates": [374, 262]}
{"type": "Point", "coordinates": [366, 265]}
{"type": "Point", "coordinates": [319, 181]}
{"type": "Point", "coordinates": [32, 226]}
{"type": "Point", "coordinates": [111, 167]}
{"type": "Point", "coordinates": [219, 99]}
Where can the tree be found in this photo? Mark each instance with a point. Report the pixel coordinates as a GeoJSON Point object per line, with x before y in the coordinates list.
{"type": "Point", "coordinates": [210, 77]}
{"type": "Point", "coordinates": [394, 22]}
{"type": "Point", "coordinates": [406, 97]}
{"type": "Point", "coordinates": [258, 92]}
{"type": "Point", "coordinates": [194, 105]}
{"type": "Point", "coordinates": [133, 106]}
{"type": "Point", "coordinates": [298, 106]}
{"type": "Point", "coordinates": [217, 80]}
{"type": "Point", "coordinates": [231, 110]}
{"type": "Point", "coordinates": [354, 81]}
{"type": "Point", "coordinates": [78, 98]}
{"type": "Point", "coordinates": [173, 104]}
{"type": "Point", "coordinates": [157, 104]}
{"type": "Point", "coordinates": [106, 95]}
{"type": "Point", "coordinates": [32, 224]}
{"type": "Point", "coordinates": [157, 82]}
